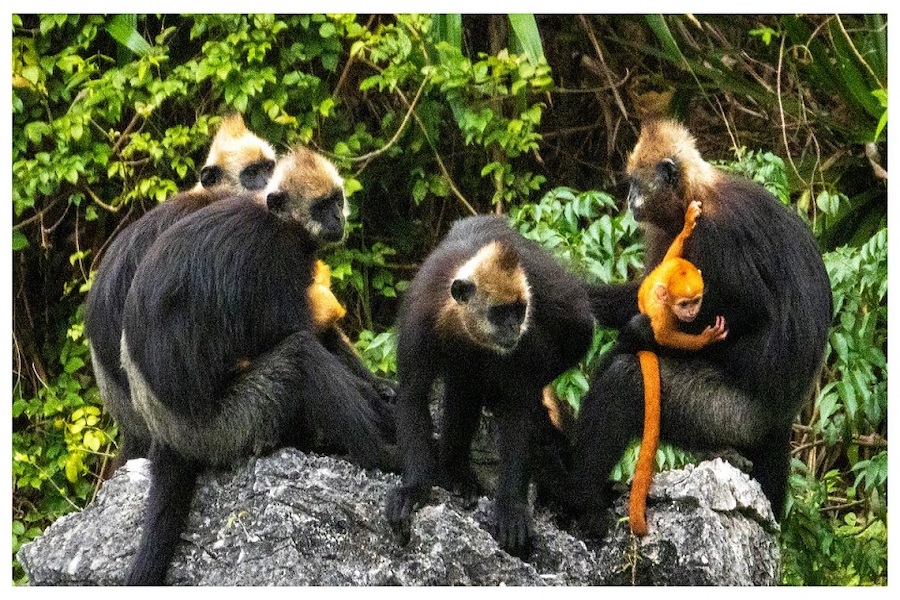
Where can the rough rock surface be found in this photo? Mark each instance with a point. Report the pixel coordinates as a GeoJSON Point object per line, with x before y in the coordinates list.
{"type": "Point", "coordinates": [298, 519]}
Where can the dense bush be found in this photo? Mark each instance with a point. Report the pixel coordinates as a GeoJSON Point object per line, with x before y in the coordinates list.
{"type": "Point", "coordinates": [431, 119]}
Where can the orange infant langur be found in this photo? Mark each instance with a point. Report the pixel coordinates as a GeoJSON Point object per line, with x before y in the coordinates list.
{"type": "Point", "coordinates": [671, 293]}
{"type": "Point", "coordinates": [324, 305]}
{"type": "Point", "coordinates": [326, 310]}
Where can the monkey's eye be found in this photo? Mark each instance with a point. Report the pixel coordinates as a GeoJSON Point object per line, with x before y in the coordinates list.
{"type": "Point", "coordinates": [210, 175]}
{"type": "Point", "coordinates": [687, 303]}
{"type": "Point", "coordinates": [667, 171]}
{"type": "Point", "coordinates": [255, 176]}
{"type": "Point", "coordinates": [277, 201]}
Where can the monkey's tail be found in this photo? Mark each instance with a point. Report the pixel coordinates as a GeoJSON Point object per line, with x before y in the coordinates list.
{"type": "Point", "coordinates": [172, 482]}
{"type": "Point", "coordinates": [643, 471]}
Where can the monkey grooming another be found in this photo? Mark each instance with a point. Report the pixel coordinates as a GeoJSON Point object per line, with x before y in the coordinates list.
{"type": "Point", "coordinates": [239, 162]}
{"type": "Point", "coordinates": [230, 282]}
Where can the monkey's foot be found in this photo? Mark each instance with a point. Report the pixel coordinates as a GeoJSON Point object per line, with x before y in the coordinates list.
{"type": "Point", "coordinates": [512, 529]}
{"type": "Point", "coordinates": [400, 503]}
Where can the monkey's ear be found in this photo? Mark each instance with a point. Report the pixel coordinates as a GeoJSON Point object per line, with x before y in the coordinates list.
{"type": "Point", "coordinates": [210, 175]}
{"type": "Point", "coordinates": [462, 290]}
{"type": "Point", "coordinates": [668, 171]}
{"type": "Point", "coordinates": [661, 292]}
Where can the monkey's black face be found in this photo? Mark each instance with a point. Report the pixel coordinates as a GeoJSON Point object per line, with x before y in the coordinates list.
{"type": "Point", "coordinates": [256, 175]}
{"type": "Point", "coordinates": [653, 195]}
{"type": "Point", "coordinates": [328, 213]}
{"type": "Point", "coordinates": [506, 321]}
{"type": "Point", "coordinates": [497, 327]}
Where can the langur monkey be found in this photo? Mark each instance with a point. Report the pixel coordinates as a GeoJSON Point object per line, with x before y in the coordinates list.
{"type": "Point", "coordinates": [672, 293]}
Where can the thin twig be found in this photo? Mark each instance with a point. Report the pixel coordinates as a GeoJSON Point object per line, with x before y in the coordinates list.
{"type": "Point", "coordinates": [97, 200]}
{"type": "Point", "coordinates": [370, 155]}
{"type": "Point", "coordinates": [607, 72]}
{"type": "Point", "coordinates": [787, 149]}
{"type": "Point", "coordinates": [856, 52]}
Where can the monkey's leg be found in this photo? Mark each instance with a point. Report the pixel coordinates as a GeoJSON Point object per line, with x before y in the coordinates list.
{"type": "Point", "coordinates": [550, 455]}
{"type": "Point", "coordinates": [172, 482]}
{"type": "Point", "coordinates": [300, 384]}
{"type": "Point", "coordinates": [513, 525]}
{"type": "Point", "coordinates": [704, 410]}
{"type": "Point", "coordinates": [771, 467]}
{"type": "Point", "coordinates": [462, 413]}
{"type": "Point", "coordinates": [414, 436]}
{"type": "Point", "coordinates": [612, 414]}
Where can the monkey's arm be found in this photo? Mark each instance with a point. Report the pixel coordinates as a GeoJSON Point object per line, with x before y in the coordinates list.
{"type": "Point", "coordinates": [613, 304]}
{"type": "Point", "coordinates": [690, 219]}
{"type": "Point", "coordinates": [666, 335]}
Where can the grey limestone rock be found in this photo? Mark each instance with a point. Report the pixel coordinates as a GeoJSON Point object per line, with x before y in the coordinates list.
{"type": "Point", "coordinates": [300, 519]}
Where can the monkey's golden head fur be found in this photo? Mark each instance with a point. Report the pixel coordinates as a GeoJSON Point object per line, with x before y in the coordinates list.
{"type": "Point", "coordinates": [307, 189]}
{"type": "Point", "coordinates": [667, 172]}
{"type": "Point", "coordinates": [489, 300]}
{"type": "Point", "coordinates": [239, 161]}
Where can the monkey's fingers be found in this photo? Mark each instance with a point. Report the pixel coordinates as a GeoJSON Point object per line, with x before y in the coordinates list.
{"type": "Point", "coordinates": [693, 212]}
{"type": "Point", "coordinates": [400, 503]}
{"type": "Point", "coordinates": [513, 530]}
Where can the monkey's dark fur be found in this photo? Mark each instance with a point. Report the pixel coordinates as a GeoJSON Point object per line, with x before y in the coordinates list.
{"type": "Point", "coordinates": [238, 162]}
{"type": "Point", "coordinates": [106, 299]}
{"type": "Point", "coordinates": [763, 272]}
{"type": "Point", "coordinates": [558, 326]}
{"type": "Point", "coordinates": [225, 285]}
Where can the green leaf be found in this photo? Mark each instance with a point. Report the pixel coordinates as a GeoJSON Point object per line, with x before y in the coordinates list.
{"type": "Point", "coordinates": [447, 28]}
{"type": "Point", "coordinates": [527, 37]}
{"type": "Point", "coordinates": [19, 241]}
{"type": "Point", "coordinates": [123, 29]}
{"type": "Point", "coordinates": [657, 24]}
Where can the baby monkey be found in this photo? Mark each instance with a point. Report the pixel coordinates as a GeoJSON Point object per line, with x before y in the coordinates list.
{"type": "Point", "coordinates": [671, 293]}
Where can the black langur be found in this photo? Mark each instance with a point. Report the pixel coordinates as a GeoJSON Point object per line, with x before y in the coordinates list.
{"type": "Point", "coordinates": [220, 351]}
{"type": "Point", "coordinates": [496, 318]}
{"type": "Point", "coordinates": [764, 274]}
{"type": "Point", "coordinates": [238, 162]}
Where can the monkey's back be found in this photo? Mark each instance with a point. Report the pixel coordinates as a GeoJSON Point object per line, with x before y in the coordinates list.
{"type": "Point", "coordinates": [222, 285]}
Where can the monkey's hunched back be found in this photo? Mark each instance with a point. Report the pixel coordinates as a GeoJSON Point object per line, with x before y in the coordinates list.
{"type": "Point", "coordinates": [219, 301]}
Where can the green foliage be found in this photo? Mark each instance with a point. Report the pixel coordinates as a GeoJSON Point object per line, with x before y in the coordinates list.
{"type": "Point", "coordinates": [379, 351]}
{"type": "Point", "coordinates": [765, 168]}
{"type": "Point", "coordinates": [58, 454]}
{"type": "Point", "coordinates": [820, 547]}
{"type": "Point", "coordinates": [853, 399]}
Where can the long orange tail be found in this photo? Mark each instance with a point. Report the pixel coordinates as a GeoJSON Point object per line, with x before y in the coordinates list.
{"type": "Point", "coordinates": [643, 471]}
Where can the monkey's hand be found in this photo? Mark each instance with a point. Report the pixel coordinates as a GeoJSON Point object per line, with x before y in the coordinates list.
{"type": "Point", "coordinates": [693, 212]}
{"type": "Point", "coordinates": [715, 333]}
{"type": "Point", "coordinates": [513, 528]}
{"type": "Point", "coordinates": [400, 503]}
